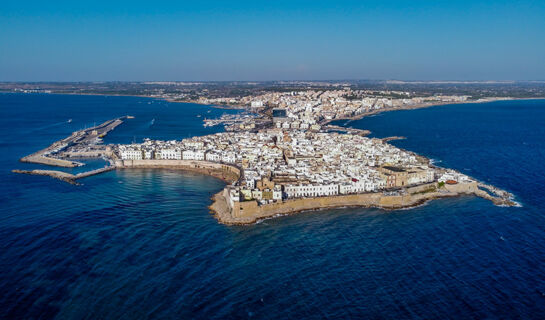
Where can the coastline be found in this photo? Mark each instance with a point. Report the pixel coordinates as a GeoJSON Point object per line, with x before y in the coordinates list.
{"type": "Point", "coordinates": [242, 107]}
{"type": "Point", "coordinates": [423, 106]}
{"type": "Point", "coordinates": [248, 212]}
{"type": "Point", "coordinates": [224, 172]}
{"type": "Point", "coordinates": [414, 196]}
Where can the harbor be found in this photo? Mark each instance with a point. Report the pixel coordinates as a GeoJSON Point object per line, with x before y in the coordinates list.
{"type": "Point", "coordinates": [85, 137]}
{"type": "Point", "coordinates": [80, 144]}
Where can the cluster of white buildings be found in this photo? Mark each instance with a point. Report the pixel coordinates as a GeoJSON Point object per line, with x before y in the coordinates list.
{"type": "Point", "coordinates": [172, 150]}
{"type": "Point", "coordinates": [281, 164]}
{"type": "Point", "coordinates": [295, 159]}
{"type": "Point", "coordinates": [453, 176]}
{"type": "Point", "coordinates": [311, 107]}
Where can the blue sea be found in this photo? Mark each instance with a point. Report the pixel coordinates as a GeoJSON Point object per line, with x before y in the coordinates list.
{"type": "Point", "coordinates": [141, 244]}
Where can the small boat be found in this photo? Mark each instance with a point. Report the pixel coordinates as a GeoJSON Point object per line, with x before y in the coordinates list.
{"type": "Point", "coordinates": [198, 116]}
{"type": "Point", "coordinates": [69, 121]}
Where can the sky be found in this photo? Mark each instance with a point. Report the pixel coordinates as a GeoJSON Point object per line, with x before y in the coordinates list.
{"type": "Point", "coordinates": [271, 40]}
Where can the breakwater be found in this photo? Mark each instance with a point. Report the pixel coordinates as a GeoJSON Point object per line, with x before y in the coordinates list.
{"type": "Point", "coordinates": [65, 176]}
{"type": "Point", "coordinates": [82, 137]}
{"type": "Point", "coordinates": [60, 175]}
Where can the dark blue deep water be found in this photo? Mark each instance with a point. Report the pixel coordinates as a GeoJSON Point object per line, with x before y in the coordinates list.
{"type": "Point", "coordinates": [139, 244]}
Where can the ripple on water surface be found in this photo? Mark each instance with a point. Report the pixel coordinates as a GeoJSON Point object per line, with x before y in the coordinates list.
{"type": "Point", "coordinates": [142, 243]}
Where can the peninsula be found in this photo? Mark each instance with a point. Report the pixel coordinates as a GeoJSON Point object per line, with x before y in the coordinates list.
{"type": "Point", "coordinates": [283, 156]}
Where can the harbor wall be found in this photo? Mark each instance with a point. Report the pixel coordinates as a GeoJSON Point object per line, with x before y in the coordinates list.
{"type": "Point", "coordinates": [54, 162]}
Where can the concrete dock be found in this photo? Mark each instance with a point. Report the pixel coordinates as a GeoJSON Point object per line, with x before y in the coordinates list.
{"type": "Point", "coordinates": [87, 136]}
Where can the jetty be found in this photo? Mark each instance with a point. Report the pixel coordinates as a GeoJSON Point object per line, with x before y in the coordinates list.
{"type": "Point", "coordinates": [65, 176]}
{"type": "Point", "coordinates": [80, 144]}
{"type": "Point", "coordinates": [48, 156]}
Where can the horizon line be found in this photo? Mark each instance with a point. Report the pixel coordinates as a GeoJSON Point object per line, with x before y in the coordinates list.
{"type": "Point", "coordinates": [392, 81]}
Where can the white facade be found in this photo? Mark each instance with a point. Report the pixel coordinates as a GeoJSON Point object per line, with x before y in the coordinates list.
{"type": "Point", "coordinates": [250, 183]}
{"type": "Point", "coordinates": [131, 154]}
{"type": "Point", "coordinates": [148, 154]}
{"type": "Point", "coordinates": [429, 176]}
{"type": "Point", "coordinates": [228, 158]}
{"type": "Point", "coordinates": [188, 155]}
{"type": "Point", "coordinates": [194, 144]}
{"type": "Point", "coordinates": [257, 104]}
{"type": "Point", "coordinates": [171, 154]}
{"type": "Point", "coordinates": [199, 155]}
{"type": "Point", "coordinates": [214, 157]}
{"type": "Point", "coordinates": [311, 190]}
{"type": "Point", "coordinates": [277, 195]}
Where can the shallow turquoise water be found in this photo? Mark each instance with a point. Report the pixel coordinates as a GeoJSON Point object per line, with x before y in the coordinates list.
{"type": "Point", "coordinates": [142, 244]}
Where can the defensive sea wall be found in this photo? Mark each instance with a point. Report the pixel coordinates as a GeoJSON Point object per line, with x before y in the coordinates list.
{"type": "Point", "coordinates": [246, 212]}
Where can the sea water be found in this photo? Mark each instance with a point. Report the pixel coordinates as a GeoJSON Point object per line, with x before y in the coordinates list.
{"type": "Point", "coordinates": [136, 244]}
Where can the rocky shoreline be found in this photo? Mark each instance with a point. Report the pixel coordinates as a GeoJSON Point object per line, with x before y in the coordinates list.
{"type": "Point", "coordinates": [411, 197]}
{"type": "Point", "coordinates": [253, 212]}
{"type": "Point", "coordinates": [248, 212]}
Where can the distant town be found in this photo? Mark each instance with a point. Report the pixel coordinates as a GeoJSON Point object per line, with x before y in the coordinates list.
{"type": "Point", "coordinates": [282, 154]}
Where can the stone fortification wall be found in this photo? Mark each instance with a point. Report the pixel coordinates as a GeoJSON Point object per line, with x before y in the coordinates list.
{"type": "Point", "coordinates": [470, 187]}
{"type": "Point", "coordinates": [250, 211]}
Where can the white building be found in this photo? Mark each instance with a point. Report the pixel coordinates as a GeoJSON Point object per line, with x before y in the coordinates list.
{"type": "Point", "coordinates": [131, 154]}
{"type": "Point", "coordinates": [277, 193]}
{"type": "Point", "coordinates": [199, 155]}
{"type": "Point", "coordinates": [148, 154]}
{"type": "Point", "coordinates": [308, 190]}
{"type": "Point", "coordinates": [211, 156]}
{"type": "Point", "coordinates": [188, 155]}
{"type": "Point", "coordinates": [228, 158]}
{"type": "Point", "coordinates": [171, 154]}
{"type": "Point", "coordinates": [257, 104]}
{"type": "Point", "coordinates": [194, 144]}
